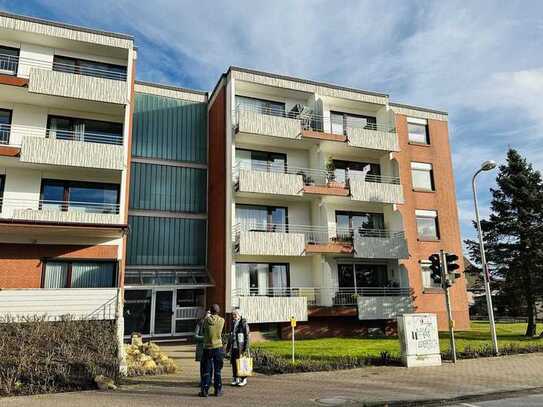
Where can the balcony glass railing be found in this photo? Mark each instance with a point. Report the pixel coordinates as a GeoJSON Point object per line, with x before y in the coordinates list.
{"type": "Point", "coordinates": [9, 64]}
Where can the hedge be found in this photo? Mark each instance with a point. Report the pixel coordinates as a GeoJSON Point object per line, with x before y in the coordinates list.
{"type": "Point", "coordinates": [39, 356]}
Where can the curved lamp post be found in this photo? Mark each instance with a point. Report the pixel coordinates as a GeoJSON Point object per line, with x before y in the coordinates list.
{"type": "Point", "coordinates": [486, 166]}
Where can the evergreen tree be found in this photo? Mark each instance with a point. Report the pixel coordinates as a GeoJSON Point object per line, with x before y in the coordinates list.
{"type": "Point", "coordinates": [513, 235]}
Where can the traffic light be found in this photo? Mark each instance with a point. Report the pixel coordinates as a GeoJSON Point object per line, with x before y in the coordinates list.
{"type": "Point", "coordinates": [452, 266]}
{"type": "Point", "coordinates": [435, 266]}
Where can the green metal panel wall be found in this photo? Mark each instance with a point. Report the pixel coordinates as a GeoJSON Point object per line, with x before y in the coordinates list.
{"type": "Point", "coordinates": [166, 241]}
{"type": "Point", "coordinates": [169, 128]}
{"type": "Point", "coordinates": [167, 188]}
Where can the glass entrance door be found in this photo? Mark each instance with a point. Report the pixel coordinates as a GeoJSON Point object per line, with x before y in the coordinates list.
{"type": "Point", "coordinates": [163, 312]}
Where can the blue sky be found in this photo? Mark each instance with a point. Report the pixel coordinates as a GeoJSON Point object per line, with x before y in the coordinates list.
{"type": "Point", "coordinates": [481, 61]}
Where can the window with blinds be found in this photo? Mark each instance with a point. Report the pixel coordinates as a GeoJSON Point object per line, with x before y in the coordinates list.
{"type": "Point", "coordinates": [98, 274]}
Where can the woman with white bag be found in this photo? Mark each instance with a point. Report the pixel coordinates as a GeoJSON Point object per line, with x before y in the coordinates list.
{"type": "Point", "coordinates": [238, 346]}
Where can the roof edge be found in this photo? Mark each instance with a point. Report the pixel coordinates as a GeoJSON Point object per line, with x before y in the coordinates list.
{"type": "Point", "coordinates": [423, 109]}
{"type": "Point", "coordinates": [171, 87]}
{"type": "Point", "coordinates": [307, 81]}
{"type": "Point", "coordinates": [64, 25]}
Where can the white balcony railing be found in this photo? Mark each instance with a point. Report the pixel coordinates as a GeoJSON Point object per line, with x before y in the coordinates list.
{"type": "Point", "coordinates": [10, 64]}
{"type": "Point", "coordinates": [12, 134]}
{"type": "Point", "coordinates": [310, 120]}
{"type": "Point", "coordinates": [321, 296]}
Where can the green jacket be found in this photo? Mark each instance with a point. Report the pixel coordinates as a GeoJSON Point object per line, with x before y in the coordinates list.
{"type": "Point", "coordinates": [212, 328]}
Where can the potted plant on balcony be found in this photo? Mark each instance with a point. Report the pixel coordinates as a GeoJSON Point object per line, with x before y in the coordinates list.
{"type": "Point", "coordinates": [308, 180]}
{"type": "Point", "coordinates": [331, 175]}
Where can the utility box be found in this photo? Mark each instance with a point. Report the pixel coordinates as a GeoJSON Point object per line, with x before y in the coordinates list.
{"type": "Point", "coordinates": [419, 340]}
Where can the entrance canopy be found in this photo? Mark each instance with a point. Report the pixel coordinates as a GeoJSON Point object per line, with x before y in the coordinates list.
{"type": "Point", "coordinates": [187, 278]}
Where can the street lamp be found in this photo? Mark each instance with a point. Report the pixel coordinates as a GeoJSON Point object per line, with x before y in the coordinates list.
{"type": "Point", "coordinates": [486, 166]}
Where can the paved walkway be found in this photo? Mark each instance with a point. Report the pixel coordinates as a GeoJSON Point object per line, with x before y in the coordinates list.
{"type": "Point", "coordinates": [367, 385]}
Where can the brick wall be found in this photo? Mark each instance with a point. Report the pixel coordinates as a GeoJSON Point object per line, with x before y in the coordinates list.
{"type": "Point", "coordinates": [21, 264]}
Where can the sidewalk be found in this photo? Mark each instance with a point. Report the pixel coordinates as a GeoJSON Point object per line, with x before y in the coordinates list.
{"type": "Point", "coordinates": [357, 386]}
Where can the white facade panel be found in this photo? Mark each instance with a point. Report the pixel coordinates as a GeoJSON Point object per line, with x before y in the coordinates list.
{"type": "Point", "coordinates": [271, 244]}
{"type": "Point", "coordinates": [55, 215]}
{"type": "Point", "coordinates": [80, 303]}
{"type": "Point", "coordinates": [258, 309]}
{"type": "Point", "coordinates": [270, 183]}
{"type": "Point", "coordinates": [362, 190]}
{"type": "Point", "coordinates": [266, 125]}
{"type": "Point", "coordinates": [373, 139]}
{"type": "Point", "coordinates": [64, 84]}
{"type": "Point", "coordinates": [393, 247]}
{"type": "Point", "coordinates": [71, 153]}
{"type": "Point", "coordinates": [387, 307]}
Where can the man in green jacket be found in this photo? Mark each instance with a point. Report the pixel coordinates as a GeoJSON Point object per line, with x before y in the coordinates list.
{"type": "Point", "coordinates": [213, 352]}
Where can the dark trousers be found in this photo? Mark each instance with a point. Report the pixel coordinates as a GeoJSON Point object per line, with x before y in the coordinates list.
{"type": "Point", "coordinates": [234, 355]}
{"type": "Point", "coordinates": [213, 361]}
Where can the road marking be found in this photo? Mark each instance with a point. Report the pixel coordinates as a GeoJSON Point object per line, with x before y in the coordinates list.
{"type": "Point", "coordinates": [469, 405]}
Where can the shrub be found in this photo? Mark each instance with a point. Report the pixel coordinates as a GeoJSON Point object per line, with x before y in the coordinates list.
{"type": "Point", "coordinates": [39, 356]}
{"type": "Point", "coordinates": [268, 363]}
{"type": "Point", "coordinates": [147, 359]}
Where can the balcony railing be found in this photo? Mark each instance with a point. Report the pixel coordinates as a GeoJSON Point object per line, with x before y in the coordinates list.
{"type": "Point", "coordinates": [7, 130]}
{"type": "Point", "coordinates": [316, 234]}
{"type": "Point", "coordinates": [310, 176]}
{"type": "Point", "coordinates": [312, 121]}
{"type": "Point", "coordinates": [10, 63]}
{"type": "Point", "coordinates": [58, 206]}
{"type": "Point", "coordinates": [317, 296]}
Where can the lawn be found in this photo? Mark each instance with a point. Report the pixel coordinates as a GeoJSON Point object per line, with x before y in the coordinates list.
{"type": "Point", "coordinates": [476, 337]}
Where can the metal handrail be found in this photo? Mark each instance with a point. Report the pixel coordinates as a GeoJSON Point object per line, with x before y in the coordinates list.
{"type": "Point", "coordinates": [60, 67]}
{"type": "Point", "coordinates": [316, 234]}
{"type": "Point", "coordinates": [6, 130]}
{"type": "Point", "coordinates": [47, 204]}
{"type": "Point", "coordinates": [310, 175]}
{"type": "Point", "coordinates": [310, 120]}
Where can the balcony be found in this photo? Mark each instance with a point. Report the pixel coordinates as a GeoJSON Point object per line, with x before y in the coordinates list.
{"type": "Point", "coordinates": [66, 80]}
{"type": "Point", "coordinates": [67, 148]}
{"type": "Point", "coordinates": [300, 240]}
{"type": "Point", "coordinates": [302, 122]}
{"type": "Point", "coordinates": [376, 188]}
{"type": "Point", "coordinates": [60, 211]}
{"type": "Point", "coordinates": [279, 304]}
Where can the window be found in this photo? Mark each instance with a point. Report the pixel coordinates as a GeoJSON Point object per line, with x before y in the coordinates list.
{"type": "Point", "coordinates": [427, 281]}
{"type": "Point", "coordinates": [5, 126]}
{"type": "Point", "coordinates": [363, 275]}
{"type": "Point", "coordinates": [89, 68]}
{"type": "Point", "coordinates": [79, 274]}
{"type": "Point", "coordinates": [418, 131]}
{"type": "Point", "coordinates": [342, 169]}
{"type": "Point", "coordinates": [92, 131]}
{"type": "Point", "coordinates": [340, 122]}
{"type": "Point", "coordinates": [9, 60]}
{"type": "Point", "coordinates": [422, 176]}
{"type": "Point", "coordinates": [79, 196]}
{"type": "Point", "coordinates": [262, 278]}
{"type": "Point", "coordinates": [263, 218]}
{"type": "Point", "coordinates": [427, 226]}
{"type": "Point", "coordinates": [365, 223]}
{"type": "Point", "coordinates": [260, 106]}
{"type": "Point", "coordinates": [261, 160]}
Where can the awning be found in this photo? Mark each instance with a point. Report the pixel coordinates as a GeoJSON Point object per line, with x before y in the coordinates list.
{"type": "Point", "coordinates": [186, 278]}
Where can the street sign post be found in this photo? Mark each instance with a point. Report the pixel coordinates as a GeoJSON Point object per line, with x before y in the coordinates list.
{"type": "Point", "coordinates": [292, 325]}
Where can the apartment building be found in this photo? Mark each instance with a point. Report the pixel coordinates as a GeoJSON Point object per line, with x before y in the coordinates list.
{"type": "Point", "coordinates": [166, 276]}
{"type": "Point", "coordinates": [65, 118]}
{"type": "Point", "coordinates": [327, 202]}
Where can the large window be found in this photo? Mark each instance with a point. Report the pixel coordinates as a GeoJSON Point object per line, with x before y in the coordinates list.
{"type": "Point", "coordinates": [364, 223]}
{"type": "Point", "coordinates": [9, 60]}
{"type": "Point", "coordinates": [262, 218]}
{"type": "Point", "coordinates": [363, 275]}
{"type": "Point", "coordinates": [79, 274]}
{"type": "Point", "coordinates": [5, 126]}
{"type": "Point", "coordinates": [93, 131]}
{"type": "Point", "coordinates": [427, 225]}
{"type": "Point", "coordinates": [262, 278]}
{"type": "Point", "coordinates": [343, 169]}
{"type": "Point", "coordinates": [427, 281]}
{"type": "Point", "coordinates": [260, 106]}
{"type": "Point", "coordinates": [261, 160]}
{"type": "Point", "coordinates": [89, 68]}
{"type": "Point", "coordinates": [79, 196]}
{"type": "Point", "coordinates": [422, 176]}
{"type": "Point", "coordinates": [340, 122]}
{"type": "Point", "coordinates": [418, 131]}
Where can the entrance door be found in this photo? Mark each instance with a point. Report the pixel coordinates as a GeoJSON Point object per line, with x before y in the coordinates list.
{"type": "Point", "coordinates": [163, 312]}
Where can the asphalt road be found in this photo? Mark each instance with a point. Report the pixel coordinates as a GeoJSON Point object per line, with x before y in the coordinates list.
{"type": "Point", "coordinates": [528, 400]}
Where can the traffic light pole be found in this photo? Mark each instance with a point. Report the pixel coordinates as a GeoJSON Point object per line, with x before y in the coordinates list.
{"type": "Point", "coordinates": [445, 284]}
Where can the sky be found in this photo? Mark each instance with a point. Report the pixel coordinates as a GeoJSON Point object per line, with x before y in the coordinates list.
{"type": "Point", "coordinates": [481, 61]}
